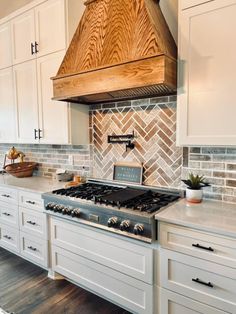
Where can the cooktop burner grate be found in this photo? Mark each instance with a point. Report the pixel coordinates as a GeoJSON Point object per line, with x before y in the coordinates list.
{"type": "Point", "coordinates": [130, 198]}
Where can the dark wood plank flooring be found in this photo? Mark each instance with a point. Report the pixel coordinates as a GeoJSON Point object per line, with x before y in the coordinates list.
{"type": "Point", "coordinates": [25, 289]}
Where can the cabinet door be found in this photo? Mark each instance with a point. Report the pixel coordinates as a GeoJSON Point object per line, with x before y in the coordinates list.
{"type": "Point", "coordinates": [7, 107]}
{"type": "Point", "coordinates": [173, 303]}
{"type": "Point", "coordinates": [206, 102]}
{"type": "Point", "coordinates": [5, 46]}
{"type": "Point", "coordinates": [23, 37]}
{"type": "Point", "coordinates": [50, 27]}
{"type": "Point", "coordinates": [53, 114]}
{"type": "Point", "coordinates": [25, 78]}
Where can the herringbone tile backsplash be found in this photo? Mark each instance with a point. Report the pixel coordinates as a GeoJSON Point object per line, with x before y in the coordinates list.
{"type": "Point", "coordinates": [154, 124]}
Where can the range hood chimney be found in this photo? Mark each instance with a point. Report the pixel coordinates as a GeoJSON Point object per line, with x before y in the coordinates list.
{"type": "Point", "coordinates": [122, 49]}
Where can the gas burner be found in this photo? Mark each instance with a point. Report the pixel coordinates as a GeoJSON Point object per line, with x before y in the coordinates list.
{"type": "Point", "coordinates": [125, 210]}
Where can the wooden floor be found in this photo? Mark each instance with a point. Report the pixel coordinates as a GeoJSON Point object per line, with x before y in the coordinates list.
{"type": "Point", "coordinates": [25, 289]}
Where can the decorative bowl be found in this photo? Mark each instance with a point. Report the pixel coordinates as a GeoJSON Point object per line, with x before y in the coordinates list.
{"type": "Point", "coordinates": [21, 169]}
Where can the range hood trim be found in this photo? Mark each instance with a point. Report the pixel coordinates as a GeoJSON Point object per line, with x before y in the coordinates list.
{"type": "Point", "coordinates": [149, 72]}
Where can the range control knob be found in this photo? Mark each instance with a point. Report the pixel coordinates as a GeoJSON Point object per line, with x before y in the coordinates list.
{"type": "Point", "coordinates": [58, 208]}
{"type": "Point", "coordinates": [75, 212]}
{"type": "Point", "coordinates": [49, 206]}
{"type": "Point", "coordinates": [66, 211]}
{"type": "Point", "coordinates": [112, 222]}
{"type": "Point", "coordinates": [125, 224]}
{"type": "Point", "coordinates": [138, 229]}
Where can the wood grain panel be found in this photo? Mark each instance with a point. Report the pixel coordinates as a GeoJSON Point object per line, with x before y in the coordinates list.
{"type": "Point", "coordinates": [112, 34]}
{"type": "Point", "coordinates": [131, 75]}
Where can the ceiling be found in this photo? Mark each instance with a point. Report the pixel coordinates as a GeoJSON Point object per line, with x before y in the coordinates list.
{"type": "Point", "coordinates": [169, 8]}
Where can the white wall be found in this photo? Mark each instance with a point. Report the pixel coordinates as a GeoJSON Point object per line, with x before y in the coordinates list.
{"type": "Point", "coordinates": [170, 11]}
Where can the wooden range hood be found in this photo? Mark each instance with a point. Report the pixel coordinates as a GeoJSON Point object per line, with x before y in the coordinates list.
{"type": "Point", "coordinates": [122, 49]}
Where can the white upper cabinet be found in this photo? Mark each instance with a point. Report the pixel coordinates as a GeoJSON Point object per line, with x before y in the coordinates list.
{"type": "Point", "coordinates": [25, 78]}
{"type": "Point", "coordinates": [50, 27]}
{"type": "Point", "coordinates": [39, 31]}
{"type": "Point", "coordinates": [7, 108]}
{"type": "Point", "coordinates": [207, 66]}
{"type": "Point", "coordinates": [5, 46]}
{"type": "Point", "coordinates": [39, 34]}
{"type": "Point", "coordinates": [23, 37]}
{"type": "Point", "coordinates": [53, 115]}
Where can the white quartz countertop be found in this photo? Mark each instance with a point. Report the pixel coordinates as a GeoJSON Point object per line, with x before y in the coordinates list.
{"type": "Point", "coordinates": [33, 184]}
{"type": "Point", "coordinates": [212, 216]}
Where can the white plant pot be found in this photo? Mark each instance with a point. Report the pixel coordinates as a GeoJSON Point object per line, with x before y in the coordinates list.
{"type": "Point", "coordinates": [194, 196]}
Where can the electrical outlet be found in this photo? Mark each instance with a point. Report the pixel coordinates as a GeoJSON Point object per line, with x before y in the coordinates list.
{"type": "Point", "coordinates": [71, 160]}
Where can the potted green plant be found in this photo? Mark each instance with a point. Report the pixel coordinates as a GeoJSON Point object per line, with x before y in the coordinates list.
{"type": "Point", "coordinates": [194, 192]}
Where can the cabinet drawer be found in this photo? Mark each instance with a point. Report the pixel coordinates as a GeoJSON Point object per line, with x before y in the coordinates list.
{"type": "Point", "coordinates": [173, 303]}
{"type": "Point", "coordinates": [34, 249]}
{"type": "Point", "coordinates": [31, 200]}
{"type": "Point", "coordinates": [9, 238]}
{"type": "Point", "coordinates": [8, 195]}
{"type": "Point", "coordinates": [9, 214]}
{"type": "Point", "coordinates": [128, 258]}
{"type": "Point", "coordinates": [126, 291]}
{"type": "Point", "coordinates": [201, 280]}
{"type": "Point", "coordinates": [218, 249]}
{"type": "Point", "coordinates": [33, 222]}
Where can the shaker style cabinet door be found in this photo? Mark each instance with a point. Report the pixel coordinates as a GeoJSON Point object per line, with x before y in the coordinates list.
{"type": "Point", "coordinates": [50, 24]}
{"type": "Point", "coordinates": [53, 115]}
{"type": "Point", "coordinates": [206, 101]}
{"type": "Point", "coordinates": [23, 37]}
{"type": "Point", "coordinates": [7, 107]}
{"type": "Point", "coordinates": [25, 80]}
{"type": "Point", "coordinates": [5, 46]}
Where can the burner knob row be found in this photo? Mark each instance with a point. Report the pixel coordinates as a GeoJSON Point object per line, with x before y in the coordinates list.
{"type": "Point", "coordinates": [64, 210]}
{"type": "Point", "coordinates": [125, 225]}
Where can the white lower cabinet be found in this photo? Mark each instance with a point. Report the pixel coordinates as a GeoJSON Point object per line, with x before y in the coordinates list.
{"type": "Point", "coordinates": [113, 268]}
{"type": "Point", "coordinates": [32, 222]}
{"type": "Point", "coordinates": [173, 303]}
{"type": "Point", "coordinates": [127, 258]}
{"type": "Point", "coordinates": [9, 214]}
{"type": "Point", "coordinates": [23, 229]}
{"type": "Point", "coordinates": [121, 289]}
{"type": "Point", "coordinates": [34, 248]}
{"type": "Point", "coordinates": [200, 267]}
{"type": "Point", "coordinates": [204, 281]}
{"type": "Point", "coordinates": [9, 238]}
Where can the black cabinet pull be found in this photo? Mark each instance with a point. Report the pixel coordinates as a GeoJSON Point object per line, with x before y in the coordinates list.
{"type": "Point", "coordinates": [36, 47]}
{"type": "Point", "coordinates": [32, 49]}
{"type": "Point", "coordinates": [203, 247]}
{"type": "Point", "coordinates": [208, 284]}
{"type": "Point", "coordinates": [7, 237]}
{"type": "Point", "coordinates": [35, 134]}
{"type": "Point", "coordinates": [31, 222]}
{"type": "Point", "coordinates": [32, 248]}
{"type": "Point", "coordinates": [6, 214]}
{"type": "Point", "coordinates": [6, 195]}
{"type": "Point", "coordinates": [30, 202]}
{"type": "Point", "coordinates": [40, 131]}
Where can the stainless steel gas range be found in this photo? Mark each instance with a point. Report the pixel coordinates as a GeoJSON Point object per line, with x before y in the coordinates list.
{"type": "Point", "coordinates": [123, 209]}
